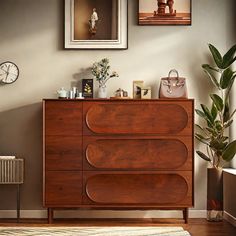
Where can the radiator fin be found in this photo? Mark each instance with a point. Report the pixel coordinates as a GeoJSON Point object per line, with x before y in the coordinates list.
{"type": "Point", "coordinates": [12, 171]}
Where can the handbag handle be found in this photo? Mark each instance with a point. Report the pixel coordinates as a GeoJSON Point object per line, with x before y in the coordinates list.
{"type": "Point", "coordinates": [169, 90]}
{"type": "Point", "coordinates": [173, 71]}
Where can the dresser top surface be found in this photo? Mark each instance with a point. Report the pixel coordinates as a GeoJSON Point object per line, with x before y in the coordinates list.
{"type": "Point", "coordinates": [116, 100]}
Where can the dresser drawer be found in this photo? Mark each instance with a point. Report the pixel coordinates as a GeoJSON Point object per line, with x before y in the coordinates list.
{"type": "Point", "coordinates": [63, 118]}
{"type": "Point", "coordinates": [145, 188]}
{"type": "Point", "coordinates": [63, 152]}
{"type": "Point", "coordinates": [157, 117]}
{"type": "Point", "coordinates": [63, 188]}
{"type": "Point", "coordinates": [132, 153]}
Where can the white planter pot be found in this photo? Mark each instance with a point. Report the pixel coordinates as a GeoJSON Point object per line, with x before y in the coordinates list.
{"type": "Point", "coordinates": [102, 91]}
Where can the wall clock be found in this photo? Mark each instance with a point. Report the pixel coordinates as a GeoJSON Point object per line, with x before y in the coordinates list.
{"type": "Point", "coordinates": [9, 72]}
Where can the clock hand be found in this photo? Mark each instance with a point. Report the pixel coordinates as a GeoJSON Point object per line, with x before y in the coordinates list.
{"type": "Point", "coordinates": [4, 70]}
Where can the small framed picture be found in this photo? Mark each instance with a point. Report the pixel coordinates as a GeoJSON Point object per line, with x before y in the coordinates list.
{"type": "Point", "coordinates": [137, 87]}
{"type": "Point", "coordinates": [165, 12]}
{"type": "Point", "coordinates": [146, 93]}
{"type": "Point", "coordinates": [87, 88]}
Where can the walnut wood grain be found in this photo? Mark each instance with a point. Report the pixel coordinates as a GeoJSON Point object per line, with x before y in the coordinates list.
{"type": "Point", "coordinates": [138, 188]}
{"type": "Point", "coordinates": [63, 118]}
{"type": "Point", "coordinates": [63, 188]}
{"type": "Point", "coordinates": [137, 118]}
{"type": "Point", "coordinates": [108, 154]}
{"type": "Point", "coordinates": [63, 153]}
{"type": "Point", "coordinates": [132, 153]}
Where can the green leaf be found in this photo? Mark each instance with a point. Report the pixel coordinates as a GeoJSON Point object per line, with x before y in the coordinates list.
{"type": "Point", "coordinates": [198, 126]}
{"type": "Point", "coordinates": [229, 88]}
{"type": "Point", "coordinates": [218, 125]}
{"type": "Point", "coordinates": [224, 138]}
{"type": "Point", "coordinates": [213, 111]}
{"type": "Point", "coordinates": [216, 56]}
{"type": "Point", "coordinates": [208, 70]}
{"type": "Point", "coordinates": [231, 116]}
{"type": "Point", "coordinates": [228, 123]}
{"type": "Point", "coordinates": [218, 145]}
{"type": "Point", "coordinates": [212, 131]}
{"type": "Point", "coordinates": [209, 67]}
{"type": "Point", "coordinates": [202, 139]}
{"type": "Point", "coordinates": [229, 151]}
{"type": "Point", "coordinates": [200, 113]}
{"type": "Point", "coordinates": [226, 78]}
{"type": "Point", "coordinates": [226, 115]}
{"type": "Point", "coordinates": [201, 136]}
{"type": "Point", "coordinates": [218, 101]}
{"type": "Point", "coordinates": [207, 113]}
{"type": "Point", "coordinates": [203, 156]}
{"type": "Point", "coordinates": [229, 58]}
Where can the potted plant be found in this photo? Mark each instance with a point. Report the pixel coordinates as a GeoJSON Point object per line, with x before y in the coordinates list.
{"type": "Point", "coordinates": [213, 133]}
{"type": "Point", "coordinates": [101, 71]}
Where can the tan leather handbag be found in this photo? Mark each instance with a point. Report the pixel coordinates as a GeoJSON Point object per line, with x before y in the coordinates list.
{"type": "Point", "coordinates": [173, 87]}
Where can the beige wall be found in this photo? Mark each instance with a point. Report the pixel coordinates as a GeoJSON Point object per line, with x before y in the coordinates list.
{"type": "Point", "coordinates": [182, 6]}
{"type": "Point", "coordinates": [32, 36]}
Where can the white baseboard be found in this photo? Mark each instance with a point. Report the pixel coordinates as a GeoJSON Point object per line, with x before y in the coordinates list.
{"type": "Point", "coordinates": [34, 214]}
{"type": "Point", "coordinates": [231, 219]}
{"type": "Point", "coordinates": [40, 214]}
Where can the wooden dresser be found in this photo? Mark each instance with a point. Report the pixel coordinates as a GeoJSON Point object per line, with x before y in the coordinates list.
{"type": "Point", "coordinates": [118, 154]}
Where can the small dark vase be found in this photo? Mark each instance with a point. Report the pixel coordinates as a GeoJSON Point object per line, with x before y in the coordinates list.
{"type": "Point", "coordinates": [214, 194]}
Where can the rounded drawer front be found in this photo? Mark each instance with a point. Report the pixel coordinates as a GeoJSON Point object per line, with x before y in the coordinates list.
{"type": "Point", "coordinates": [136, 188]}
{"type": "Point", "coordinates": [136, 154]}
{"type": "Point", "coordinates": [142, 118]}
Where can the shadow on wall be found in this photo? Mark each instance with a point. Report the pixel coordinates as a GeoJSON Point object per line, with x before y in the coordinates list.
{"type": "Point", "coordinates": [84, 73]}
{"type": "Point", "coordinates": [50, 13]}
{"type": "Point", "coordinates": [21, 135]}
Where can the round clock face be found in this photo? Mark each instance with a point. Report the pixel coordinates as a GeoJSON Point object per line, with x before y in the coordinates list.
{"type": "Point", "coordinates": [9, 72]}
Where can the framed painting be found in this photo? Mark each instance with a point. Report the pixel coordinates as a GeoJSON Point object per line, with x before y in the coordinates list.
{"type": "Point", "coordinates": [165, 12]}
{"type": "Point", "coordinates": [96, 24]}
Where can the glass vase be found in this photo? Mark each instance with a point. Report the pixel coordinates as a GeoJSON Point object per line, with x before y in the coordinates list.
{"type": "Point", "coordinates": [214, 194]}
{"type": "Point", "coordinates": [102, 91]}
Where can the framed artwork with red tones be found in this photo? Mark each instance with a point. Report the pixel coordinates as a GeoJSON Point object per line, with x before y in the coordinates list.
{"type": "Point", "coordinates": [165, 12]}
{"type": "Point", "coordinates": [96, 24]}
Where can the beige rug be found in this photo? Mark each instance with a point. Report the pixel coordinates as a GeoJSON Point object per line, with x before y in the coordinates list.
{"type": "Point", "coordinates": [93, 231]}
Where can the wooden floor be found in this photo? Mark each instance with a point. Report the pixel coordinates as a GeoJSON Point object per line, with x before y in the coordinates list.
{"type": "Point", "coordinates": [196, 227]}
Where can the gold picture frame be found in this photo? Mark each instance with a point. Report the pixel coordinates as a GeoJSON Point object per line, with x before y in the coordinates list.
{"type": "Point", "coordinates": [165, 12]}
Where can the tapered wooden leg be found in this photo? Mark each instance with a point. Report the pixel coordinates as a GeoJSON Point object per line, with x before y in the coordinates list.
{"type": "Point", "coordinates": [50, 215]}
{"type": "Point", "coordinates": [185, 215]}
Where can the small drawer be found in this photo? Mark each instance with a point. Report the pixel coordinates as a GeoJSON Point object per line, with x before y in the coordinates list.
{"type": "Point", "coordinates": [63, 118]}
{"type": "Point", "coordinates": [63, 153]}
{"type": "Point", "coordinates": [63, 188]}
